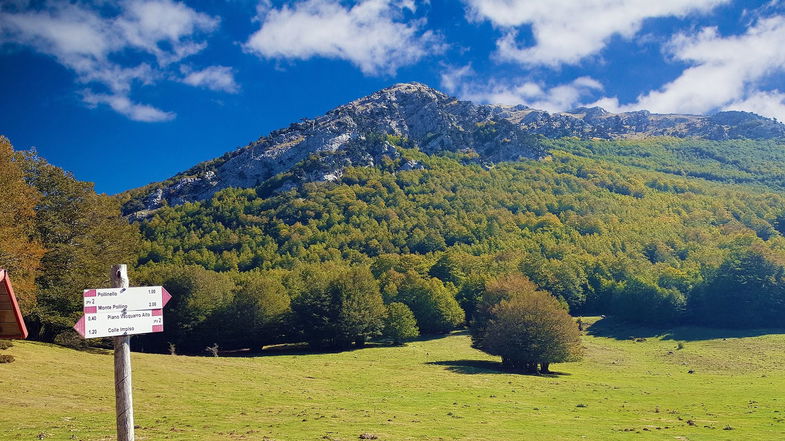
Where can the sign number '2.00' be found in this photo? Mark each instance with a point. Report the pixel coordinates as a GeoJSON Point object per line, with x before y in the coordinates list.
{"type": "Point", "coordinates": [152, 304]}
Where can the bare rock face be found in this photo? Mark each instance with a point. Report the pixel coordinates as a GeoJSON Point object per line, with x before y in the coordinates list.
{"type": "Point", "coordinates": [349, 136]}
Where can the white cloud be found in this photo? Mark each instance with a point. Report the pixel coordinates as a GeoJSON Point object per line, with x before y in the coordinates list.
{"type": "Point", "coordinates": [118, 79]}
{"type": "Point", "coordinates": [369, 34]}
{"type": "Point", "coordinates": [453, 78]}
{"type": "Point", "coordinates": [147, 24]}
{"type": "Point", "coordinates": [725, 73]}
{"type": "Point", "coordinates": [83, 39]}
{"type": "Point", "coordinates": [533, 94]}
{"type": "Point", "coordinates": [71, 33]}
{"type": "Point", "coordinates": [124, 106]}
{"type": "Point", "coordinates": [566, 31]}
{"type": "Point", "coordinates": [218, 78]}
{"type": "Point", "coordinates": [771, 104]}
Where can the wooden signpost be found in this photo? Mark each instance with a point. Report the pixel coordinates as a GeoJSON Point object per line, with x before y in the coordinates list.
{"type": "Point", "coordinates": [119, 312]}
{"type": "Point", "coordinates": [11, 323]}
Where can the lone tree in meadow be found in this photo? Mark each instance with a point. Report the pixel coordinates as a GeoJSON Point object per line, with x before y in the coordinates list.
{"type": "Point", "coordinates": [527, 327]}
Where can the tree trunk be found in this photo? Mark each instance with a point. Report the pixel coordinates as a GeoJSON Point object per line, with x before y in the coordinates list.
{"type": "Point", "coordinates": [544, 368]}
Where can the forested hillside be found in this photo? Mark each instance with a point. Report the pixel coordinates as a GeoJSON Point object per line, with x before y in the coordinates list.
{"type": "Point", "coordinates": [657, 231]}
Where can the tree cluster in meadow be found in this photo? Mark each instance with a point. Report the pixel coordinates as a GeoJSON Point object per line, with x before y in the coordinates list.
{"type": "Point", "coordinates": [655, 231]}
{"type": "Point", "coordinates": [330, 305]}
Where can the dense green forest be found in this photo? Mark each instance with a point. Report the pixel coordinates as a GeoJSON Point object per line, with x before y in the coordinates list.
{"type": "Point", "coordinates": [599, 224]}
{"type": "Point", "coordinates": [655, 231]}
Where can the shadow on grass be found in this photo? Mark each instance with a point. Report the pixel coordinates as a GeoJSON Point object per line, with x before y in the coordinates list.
{"type": "Point", "coordinates": [472, 367]}
{"type": "Point", "coordinates": [429, 337]}
{"type": "Point", "coordinates": [86, 349]}
{"type": "Point", "coordinates": [295, 349]}
{"type": "Point", "coordinates": [306, 349]}
{"type": "Point", "coordinates": [92, 350]}
{"type": "Point", "coordinates": [619, 330]}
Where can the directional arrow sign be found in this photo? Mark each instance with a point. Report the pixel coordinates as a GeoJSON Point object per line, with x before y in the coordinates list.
{"type": "Point", "coordinates": [120, 299]}
{"type": "Point", "coordinates": [110, 324]}
{"type": "Point", "coordinates": [110, 312]}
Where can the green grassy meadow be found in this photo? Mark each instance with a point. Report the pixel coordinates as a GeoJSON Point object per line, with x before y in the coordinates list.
{"type": "Point", "coordinates": [437, 389]}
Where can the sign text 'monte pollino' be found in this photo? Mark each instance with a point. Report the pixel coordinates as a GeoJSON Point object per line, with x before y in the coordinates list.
{"type": "Point", "coordinates": [110, 312]}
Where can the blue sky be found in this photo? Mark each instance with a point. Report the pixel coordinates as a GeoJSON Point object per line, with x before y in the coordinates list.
{"type": "Point", "coordinates": [126, 93]}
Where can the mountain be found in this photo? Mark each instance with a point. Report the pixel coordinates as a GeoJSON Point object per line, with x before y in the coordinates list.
{"type": "Point", "coordinates": [319, 149]}
{"type": "Point", "coordinates": [653, 218]}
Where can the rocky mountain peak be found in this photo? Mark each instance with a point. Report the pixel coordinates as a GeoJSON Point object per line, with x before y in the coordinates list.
{"type": "Point", "coordinates": [353, 135]}
{"type": "Point", "coordinates": [588, 112]}
{"type": "Point", "coordinates": [412, 88]}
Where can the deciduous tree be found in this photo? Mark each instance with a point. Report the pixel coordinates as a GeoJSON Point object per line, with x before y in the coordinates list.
{"type": "Point", "coordinates": [82, 232]}
{"type": "Point", "coordinates": [20, 248]}
{"type": "Point", "coordinates": [399, 324]}
{"type": "Point", "coordinates": [525, 326]}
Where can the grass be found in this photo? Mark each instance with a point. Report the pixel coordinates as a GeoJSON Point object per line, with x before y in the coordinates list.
{"type": "Point", "coordinates": [437, 389]}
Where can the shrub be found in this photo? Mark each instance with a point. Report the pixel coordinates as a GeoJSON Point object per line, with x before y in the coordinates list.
{"type": "Point", "coordinates": [4, 358]}
{"type": "Point", "coordinates": [70, 339]}
{"type": "Point", "coordinates": [399, 324]}
{"type": "Point", "coordinates": [5, 344]}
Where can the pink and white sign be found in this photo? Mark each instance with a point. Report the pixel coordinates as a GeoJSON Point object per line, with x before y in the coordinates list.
{"type": "Point", "coordinates": [113, 312]}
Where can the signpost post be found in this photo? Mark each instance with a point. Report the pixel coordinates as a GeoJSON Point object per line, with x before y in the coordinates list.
{"type": "Point", "coordinates": [123, 395]}
{"type": "Point", "coordinates": [120, 312]}
{"type": "Point", "coordinates": [11, 323]}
